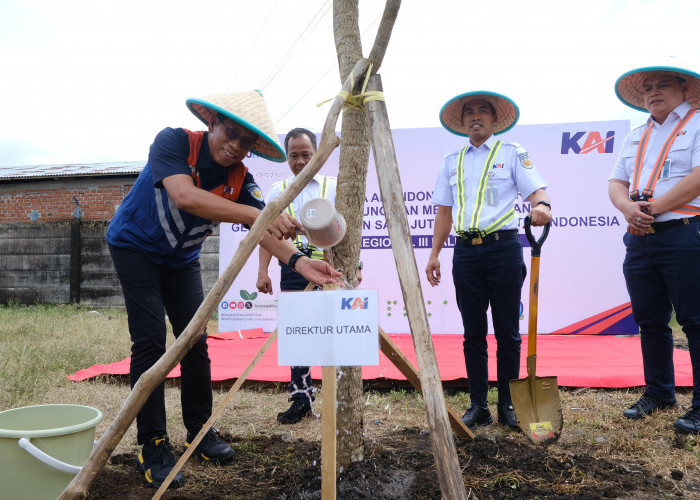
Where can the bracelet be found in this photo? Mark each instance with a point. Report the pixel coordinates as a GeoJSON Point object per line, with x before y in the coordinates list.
{"type": "Point", "coordinates": [293, 260]}
{"type": "Point", "coordinates": [545, 203]}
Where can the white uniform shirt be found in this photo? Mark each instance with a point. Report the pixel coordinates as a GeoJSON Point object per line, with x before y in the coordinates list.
{"type": "Point", "coordinates": [512, 172]}
{"type": "Point", "coordinates": [311, 191]}
{"type": "Point", "coordinates": [683, 155]}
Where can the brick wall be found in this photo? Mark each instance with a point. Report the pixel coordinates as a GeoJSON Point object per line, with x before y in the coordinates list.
{"type": "Point", "coordinates": [53, 201]}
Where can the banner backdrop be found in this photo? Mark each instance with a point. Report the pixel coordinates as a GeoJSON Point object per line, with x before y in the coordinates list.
{"type": "Point", "coordinates": [581, 289]}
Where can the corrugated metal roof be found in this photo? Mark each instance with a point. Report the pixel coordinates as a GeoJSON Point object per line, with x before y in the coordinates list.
{"type": "Point", "coordinates": [72, 170]}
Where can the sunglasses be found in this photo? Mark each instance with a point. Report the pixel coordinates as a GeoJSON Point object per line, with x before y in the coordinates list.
{"type": "Point", "coordinates": [234, 134]}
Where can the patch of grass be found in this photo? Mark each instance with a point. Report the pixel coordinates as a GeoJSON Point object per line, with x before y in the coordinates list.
{"type": "Point", "coordinates": [41, 345]}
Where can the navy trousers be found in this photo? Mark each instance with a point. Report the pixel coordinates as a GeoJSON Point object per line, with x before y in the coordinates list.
{"type": "Point", "coordinates": [662, 272]}
{"type": "Point", "coordinates": [490, 274]}
{"type": "Point", "coordinates": [150, 292]}
{"type": "Point", "coordinates": [301, 386]}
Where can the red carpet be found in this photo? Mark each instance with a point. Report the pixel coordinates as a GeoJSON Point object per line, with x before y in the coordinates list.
{"type": "Point", "coordinates": [576, 361]}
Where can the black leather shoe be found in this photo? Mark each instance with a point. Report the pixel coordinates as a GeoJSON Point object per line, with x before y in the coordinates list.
{"type": "Point", "coordinates": [646, 406]}
{"type": "Point", "coordinates": [299, 409]}
{"type": "Point", "coordinates": [506, 416]}
{"type": "Point", "coordinates": [690, 422]}
{"type": "Point", "coordinates": [477, 416]}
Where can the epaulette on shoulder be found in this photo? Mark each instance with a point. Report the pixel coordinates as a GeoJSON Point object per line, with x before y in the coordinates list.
{"type": "Point", "coordinates": [514, 144]}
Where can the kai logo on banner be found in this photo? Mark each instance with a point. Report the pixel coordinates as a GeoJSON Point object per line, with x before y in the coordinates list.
{"type": "Point", "coordinates": [593, 142]}
{"type": "Point", "coordinates": [353, 303]}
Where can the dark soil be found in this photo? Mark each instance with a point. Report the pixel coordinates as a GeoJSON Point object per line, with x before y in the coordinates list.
{"type": "Point", "coordinates": [398, 466]}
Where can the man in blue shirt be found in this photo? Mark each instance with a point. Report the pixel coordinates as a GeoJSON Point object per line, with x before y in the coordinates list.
{"type": "Point", "coordinates": [192, 181]}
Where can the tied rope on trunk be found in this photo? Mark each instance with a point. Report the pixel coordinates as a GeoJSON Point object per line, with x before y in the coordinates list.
{"type": "Point", "coordinates": [357, 101]}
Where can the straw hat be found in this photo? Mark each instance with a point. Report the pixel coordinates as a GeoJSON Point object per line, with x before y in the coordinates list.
{"type": "Point", "coordinates": [629, 86]}
{"type": "Point", "coordinates": [507, 113]}
{"type": "Point", "coordinates": [249, 110]}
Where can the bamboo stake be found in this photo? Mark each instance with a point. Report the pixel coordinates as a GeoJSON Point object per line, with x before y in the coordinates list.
{"type": "Point", "coordinates": [449, 471]}
{"type": "Point", "coordinates": [214, 416]}
{"type": "Point", "coordinates": [77, 489]}
{"type": "Point", "coordinates": [329, 391]}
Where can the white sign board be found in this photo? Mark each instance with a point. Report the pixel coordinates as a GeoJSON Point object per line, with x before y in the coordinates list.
{"type": "Point", "coordinates": [581, 283]}
{"type": "Point", "coordinates": [328, 328]}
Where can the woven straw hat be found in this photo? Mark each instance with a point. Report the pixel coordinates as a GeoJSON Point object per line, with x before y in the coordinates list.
{"type": "Point", "coordinates": [629, 86]}
{"type": "Point", "coordinates": [507, 113]}
{"type": "Point", "coordinates": [249, 110]}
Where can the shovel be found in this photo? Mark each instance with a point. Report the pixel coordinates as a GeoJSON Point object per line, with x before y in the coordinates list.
{"type": "Point", "coordinates": [536, 399]}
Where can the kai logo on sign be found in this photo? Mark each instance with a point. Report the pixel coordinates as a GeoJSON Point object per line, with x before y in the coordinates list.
{"type": "Point", "coordinates": [593, 142]}
{"type": "Point", "coordinates": [353, 303]}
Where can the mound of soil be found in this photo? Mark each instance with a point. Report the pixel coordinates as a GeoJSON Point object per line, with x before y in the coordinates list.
{"type": "Point", "coordinates": [399, 465]}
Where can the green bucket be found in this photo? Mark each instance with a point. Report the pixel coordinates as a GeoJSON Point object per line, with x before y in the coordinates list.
{"type": "Point", "coordinates": [43, 447]}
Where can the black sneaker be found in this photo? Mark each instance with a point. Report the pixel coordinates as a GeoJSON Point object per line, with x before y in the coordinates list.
{"type": "Point", "coordinates": [156, 460]}
{"type": "Point", "coordinates": [690, 422]}
{"type": "Point", "coordinates": [506, 416]}
{"type": "Point", "coordinates": [299, 409]}
{"type": "Point", "coordinates": [211, 448]}
{"type": "Point", "coordinates": [477, 416]}
{"type": "Point", "coordinates": [646, 406]}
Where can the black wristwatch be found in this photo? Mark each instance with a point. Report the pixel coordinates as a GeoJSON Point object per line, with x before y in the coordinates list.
{"type": "Point", "coordinates": [293, 260]}
{"type": "Point", "coordinates": [545, 203]}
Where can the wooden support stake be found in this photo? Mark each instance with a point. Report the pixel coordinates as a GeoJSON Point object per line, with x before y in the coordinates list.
{"type": "Point", "coordinates": [328, 433]}
{"type": "Point", "coordinates": [404, 365]}
{"type": "Point", "coordinates": [448, 468]}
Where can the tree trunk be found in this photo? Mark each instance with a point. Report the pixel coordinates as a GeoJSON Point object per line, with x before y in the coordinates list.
{"type": "Point", "coordinates": [350, 200]}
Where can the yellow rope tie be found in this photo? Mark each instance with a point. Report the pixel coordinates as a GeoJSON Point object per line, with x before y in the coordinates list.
{"type": "Point", "coordinates": [356, 101]}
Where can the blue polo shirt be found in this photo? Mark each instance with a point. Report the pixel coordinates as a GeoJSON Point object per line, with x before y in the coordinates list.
{"type": "Point", "coordinates": [149, 221]}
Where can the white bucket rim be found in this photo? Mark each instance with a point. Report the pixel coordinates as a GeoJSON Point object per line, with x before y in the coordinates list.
{"type": "Point", "coordinates": [54, 431]}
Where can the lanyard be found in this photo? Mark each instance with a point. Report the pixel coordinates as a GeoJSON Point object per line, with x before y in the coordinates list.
{"type": "Point", "coordinates": [656, 171]}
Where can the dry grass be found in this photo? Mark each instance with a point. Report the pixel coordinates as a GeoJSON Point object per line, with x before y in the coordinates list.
{"type": "Point", "coordinates": [40, 345]}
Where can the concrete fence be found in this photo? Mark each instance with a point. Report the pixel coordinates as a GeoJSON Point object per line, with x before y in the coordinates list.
{"type": "Point", "coordinates": [69, 263]}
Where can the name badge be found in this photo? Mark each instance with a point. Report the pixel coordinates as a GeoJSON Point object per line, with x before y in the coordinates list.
{"type": "Point", "coordinates": [665, 171]}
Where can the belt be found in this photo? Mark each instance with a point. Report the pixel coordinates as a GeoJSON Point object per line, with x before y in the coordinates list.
{"type": "Point", "coordinates": [660, 226]}
{"type": "Point", "coordinates": [465, 238]}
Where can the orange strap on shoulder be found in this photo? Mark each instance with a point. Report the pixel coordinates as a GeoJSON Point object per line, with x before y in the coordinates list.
{"type": "Point", "coordinates": [236, 173]}
{"type": "Point", "coordinates": [658, 165]}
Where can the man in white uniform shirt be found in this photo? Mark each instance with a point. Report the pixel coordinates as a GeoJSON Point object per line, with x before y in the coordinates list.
{"type": "Point", "coordinates": [300, 146]}
{"type": "Point", "coordinates": [475, 192]}
{"type": "Point", "coordinates": [656, 186]}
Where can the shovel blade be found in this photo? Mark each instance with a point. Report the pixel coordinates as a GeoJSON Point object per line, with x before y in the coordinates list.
{"type": "Point", "coordinates": [538, 408]}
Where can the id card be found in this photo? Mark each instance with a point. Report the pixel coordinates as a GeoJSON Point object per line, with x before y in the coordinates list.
{"type": "Point", "coordinates": [491, 196]}
{"type": "Point", "coordinates": [665, 171]}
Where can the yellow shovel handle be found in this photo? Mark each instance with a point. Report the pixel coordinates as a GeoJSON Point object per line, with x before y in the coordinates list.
{"type": "Point", "coordinates": [532, 316]}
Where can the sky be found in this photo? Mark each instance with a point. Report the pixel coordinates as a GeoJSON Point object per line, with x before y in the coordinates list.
{"type": "Point", "coordinates": [93, 81]}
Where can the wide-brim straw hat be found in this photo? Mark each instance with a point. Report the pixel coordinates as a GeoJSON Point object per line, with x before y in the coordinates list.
{"type": "Point", "coordinates": [247, 109]}
{"type": "Point", "coordinates": [507, 113]}
{"type": "Point", "coordinates": [629, 86]}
